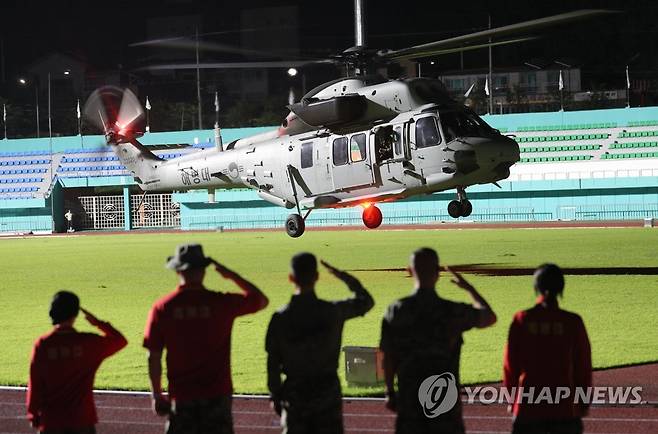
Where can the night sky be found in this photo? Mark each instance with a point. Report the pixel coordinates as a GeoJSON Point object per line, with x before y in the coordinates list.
{"type": "Point", "coordinates": [100, 33]}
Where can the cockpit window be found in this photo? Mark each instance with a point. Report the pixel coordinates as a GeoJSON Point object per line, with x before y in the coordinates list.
{"type": "Point", "coordinates": [462, 123]}
{"type": "Point", "coordinates": [427, 134]}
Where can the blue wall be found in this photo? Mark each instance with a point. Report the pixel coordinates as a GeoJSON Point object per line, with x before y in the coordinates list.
{"type": "Point", "coordinates": [587, 199]}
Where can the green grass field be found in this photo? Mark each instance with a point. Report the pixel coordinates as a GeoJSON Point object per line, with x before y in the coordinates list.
{"type": "Point", "coordinates": [119, 276]}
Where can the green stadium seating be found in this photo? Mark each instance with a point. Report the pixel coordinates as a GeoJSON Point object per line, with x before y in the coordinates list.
{"type": "Point", "coordinates": [630, 155]}
{"type": "Point", "coordinates": [565, 148]}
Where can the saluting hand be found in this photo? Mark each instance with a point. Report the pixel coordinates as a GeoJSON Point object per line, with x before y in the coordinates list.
{"type": "Point", "coordinates": [225, 272]}
{"type": "Point", "coordinates": [458, 280]}
{"type": "Point", "coordinates": [91, 318]}
{"type": "Point", "coordinates": [342, 275]}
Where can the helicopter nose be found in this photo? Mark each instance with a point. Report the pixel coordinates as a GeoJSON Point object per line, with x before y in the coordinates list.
{"type": "Point", "coordinates": [504, 154]}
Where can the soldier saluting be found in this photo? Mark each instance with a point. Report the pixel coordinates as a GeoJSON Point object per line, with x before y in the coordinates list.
{"type": "Point", "coordinates": [303, 342]}
{"type": "Point", "coordinates": [422, 337]}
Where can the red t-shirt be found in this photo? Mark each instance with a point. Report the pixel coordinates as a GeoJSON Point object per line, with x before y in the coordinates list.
{"type": "Point", "coordinates": [549, 347]}
{"type": "Point", "coordinates": [64, 363]}
{"type": "Point", "coordinates": [194, 325]}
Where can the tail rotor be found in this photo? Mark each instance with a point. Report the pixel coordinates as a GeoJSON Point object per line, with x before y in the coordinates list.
{"type": "Point", "coordinates": [117, 112]}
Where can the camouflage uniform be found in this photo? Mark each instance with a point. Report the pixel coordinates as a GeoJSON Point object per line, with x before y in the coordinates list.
{"type": "Point", "coordinates": [303, 342]}
{"type": "Point", "coordinates": [208, 416]}
{"type": "Point", "coordinates": [424, 332]}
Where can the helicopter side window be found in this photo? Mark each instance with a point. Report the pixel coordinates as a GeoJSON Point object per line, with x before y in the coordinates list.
{"type": "Point", "coordinates": [427, 134]}
{"type": "Point", "coordinates": [307, 155]}
{"type": "Point", "coordinates": [358, 147]}
{"type": "Point", "coordinates": [340, 151]}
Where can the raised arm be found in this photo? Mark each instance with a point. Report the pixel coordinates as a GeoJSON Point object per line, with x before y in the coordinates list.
{"type": "Point", "coordinates": [487, 316]}
{"type": "Point", "coordinates": [113, 340]}
{"type": "Point", "coordinates": [255, 299]}
{"type": "Point", "coordinates": [362, 301]}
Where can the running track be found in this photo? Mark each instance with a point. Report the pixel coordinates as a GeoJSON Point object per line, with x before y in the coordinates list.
{"type": "Point", "coordinates": [130, 413]}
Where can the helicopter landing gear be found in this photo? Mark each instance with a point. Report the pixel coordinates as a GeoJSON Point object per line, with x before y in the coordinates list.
{"type": "Point", "coordinates": [372, 217]}
{"type": "Point", "coordinates": [461, 207]}
{"type": "Point", "coordinates": [295, 225]}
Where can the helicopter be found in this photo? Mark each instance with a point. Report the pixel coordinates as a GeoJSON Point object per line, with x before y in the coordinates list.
{"type": "Point", "coordinates": [354, 141]}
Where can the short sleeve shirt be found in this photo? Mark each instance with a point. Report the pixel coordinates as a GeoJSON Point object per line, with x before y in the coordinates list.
{"type": "Point", "coordinates": [195, 328]}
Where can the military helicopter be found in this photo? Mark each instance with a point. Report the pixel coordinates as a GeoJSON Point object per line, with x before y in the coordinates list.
{"type": "Point", "coordinates": [354, 141]}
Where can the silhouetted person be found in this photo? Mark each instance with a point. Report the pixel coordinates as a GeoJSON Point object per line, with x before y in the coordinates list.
{"type": "Point", "coordinates": [194, 325]}
{"type": "Point", "coordinates": [64, 362]}
{"type": "Point", "coordinates": [303, 343]}
{"type": "Point", "coordinates": [548, 347]}
{"type": "Point", "coordinates": [422, 337]}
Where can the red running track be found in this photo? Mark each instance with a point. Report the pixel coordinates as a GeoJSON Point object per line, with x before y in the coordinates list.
{"type": "Point", "coordinates": [130, 413]}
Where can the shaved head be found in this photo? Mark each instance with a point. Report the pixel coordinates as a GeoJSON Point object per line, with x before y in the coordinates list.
{"type": "Point", "coordinates": [424, 265]}
{"type": "Point", "coordinates": [304, 269]}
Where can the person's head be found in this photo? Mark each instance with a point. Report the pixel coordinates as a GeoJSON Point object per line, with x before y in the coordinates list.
{"type": "Point", "coordinates": [189, 262]}
{"type": "Point", "coordinates": [304, 271]}
{"type": "Point", "coordinates": [64, 307]}
{"type": "Point", "coordinates": [424, 267]}
{"type": "Point", "coordinates": [549, 280]}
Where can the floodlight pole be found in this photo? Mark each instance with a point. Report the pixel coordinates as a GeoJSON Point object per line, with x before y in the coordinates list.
{"type": "Point", "coordinates": [198, 80]}
{"type": "Point", "coordinates": [36, 91]}
{"type": "Point", "coordinates": [50, 149]}
{"type": "Point", "coordinates": [491, 86]}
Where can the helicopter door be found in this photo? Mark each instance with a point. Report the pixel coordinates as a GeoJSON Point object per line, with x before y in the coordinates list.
{"type": "Point", "coordinates": [352, 165]}
{"type": "Point", "coordinates": [425, 140]}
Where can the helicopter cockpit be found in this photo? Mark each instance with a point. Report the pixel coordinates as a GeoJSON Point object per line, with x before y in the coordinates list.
{"type": "Point", "coordinates": [464, 123]}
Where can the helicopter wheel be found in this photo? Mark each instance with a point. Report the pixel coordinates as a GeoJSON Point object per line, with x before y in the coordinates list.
{"type": "Point", "coordinates": [467, 208]}
{"type": "Point", "coordinates": [372, 217]}
{"type": "Point", "coordinates": [295, 225]}
{"type": "Point", "coordinates": [455, 209]}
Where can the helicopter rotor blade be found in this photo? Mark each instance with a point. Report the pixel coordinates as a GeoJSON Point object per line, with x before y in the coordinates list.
{"type": "Point", "coordinates": [467, 48]}
{"type": "Point", "coordinates": [484, 35]}
{"type": "Point", "coordinates": [236, 65]}
{"type": "Point", "coordinates": [114, 110]}
{"type": "Point", "coordinates": [184, 43]}
{"type": "Point", "coordinates": [130, 113]}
